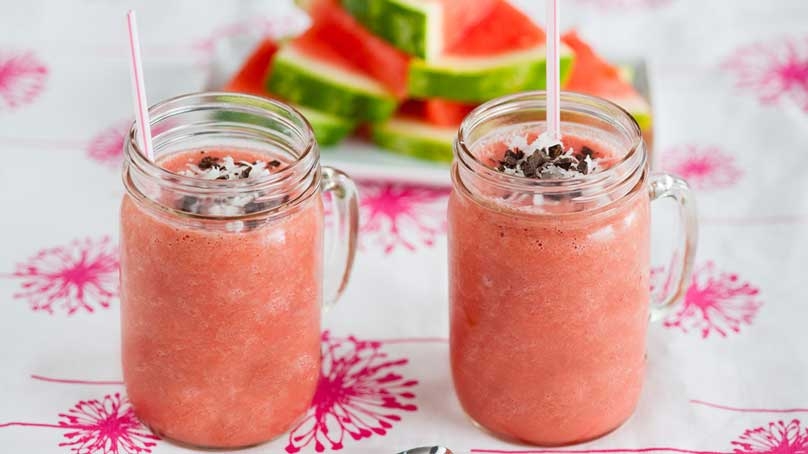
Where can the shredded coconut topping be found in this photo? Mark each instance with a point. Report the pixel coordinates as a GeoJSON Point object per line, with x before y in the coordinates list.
{"type": "Point", "coordinates": [545, 158]}
{"type": "Point", "coordinates": [213, 168]}
{"type": "Point", "coordinates": [226, 168]}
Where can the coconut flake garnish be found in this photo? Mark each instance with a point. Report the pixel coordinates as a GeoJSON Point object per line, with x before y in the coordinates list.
{"type": "Point", "coordinates": [545, 158]}
{"type": "Point", "coordinates": [226, 168]}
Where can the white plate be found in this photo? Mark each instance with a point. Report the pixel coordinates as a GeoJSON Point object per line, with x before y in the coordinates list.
{"type": "Point", "coordinates": [363, 160]}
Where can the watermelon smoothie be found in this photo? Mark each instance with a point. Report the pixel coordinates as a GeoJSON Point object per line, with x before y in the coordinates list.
{"type": "Point", "coordinates": [549, 274]}
{"type": "Point", "coordinates": [222, 283]}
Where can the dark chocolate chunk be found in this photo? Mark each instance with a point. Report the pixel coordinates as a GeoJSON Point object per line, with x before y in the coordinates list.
{"type": "Point", "coordinates": [246, 172]}
{"type": "Point", "coordinates": [207, 162]}
{"type": "Point", "coordinates": [256, 206]}
{"type": "Point", "coordinates": [274, 163]}
{"type": "Point", "coordinates": [586, 151]}
{"type": "Point", "coordinates": [583, 167]}
{"type": "Point", "coordinates": [555, 151]}
{"type": "Point", "coordinates": [511, 158]}
{"type": "Point", "coordinates": [531, 165]}
{"type": "Point", "coordinates": [565, 163]}
{"type": "Point", "coordinates": [189, 204]}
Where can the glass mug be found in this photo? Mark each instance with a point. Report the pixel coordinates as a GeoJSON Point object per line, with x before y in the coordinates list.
{"type": "Point", "coordinates": [220, 310]}
{"type": "Point", "coordinates": [549, 279]}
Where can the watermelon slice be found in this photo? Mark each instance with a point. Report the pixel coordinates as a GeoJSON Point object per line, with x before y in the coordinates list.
{"type": "Point", "coordinates": [328, 129]}
{"type": "Point", "coordinates": [361, 49]}
{"type": "Point", "coordinates": [593, 75]}
{"type": "Point", "coordinates": [250, 77]}
{"type": "Point", "coordinates": [423, 28]}
{"type": "Point", "coordinates": [321, 80]}
{"type": "Point", "coordinates": [501, 55]}
{"type": "Point", "coordinates": [437, 112]}
{"type": "Point", "coordinates": [411, 136]}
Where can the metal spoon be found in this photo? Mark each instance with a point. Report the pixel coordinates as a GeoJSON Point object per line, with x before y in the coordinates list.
{"type": "Point", "coordinates": [428, 450]}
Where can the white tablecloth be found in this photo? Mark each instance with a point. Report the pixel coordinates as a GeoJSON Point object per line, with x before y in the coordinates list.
{"type": "Point", "coordinates": [728, 372]}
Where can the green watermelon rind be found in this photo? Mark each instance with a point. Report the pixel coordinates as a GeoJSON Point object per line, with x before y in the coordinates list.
{"type": "Point", "coordinates": [479, 79]}
{"type": "Point", "coordinates": [642, 115]}
{"type": "Point", "coordinates": [328, 129]}
{"type": "Point", "coordinates": [414, 138]}
{"type": "Point", "coordinates": [638, 107]}
{"type": "Point", "coordinates": [411, 26]}
{"type": "Point", "coordinates": [328, 88]}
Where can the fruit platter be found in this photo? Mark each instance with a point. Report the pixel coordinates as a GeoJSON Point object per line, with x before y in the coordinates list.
{"type": "Point", "coordinates": [385, 84]}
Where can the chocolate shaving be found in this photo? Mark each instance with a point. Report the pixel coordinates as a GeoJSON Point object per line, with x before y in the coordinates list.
{"type": "Point", "coordinates": [189, 204]}
{"type": "Point", "coordinates": [274, 163]}
{"type": "Point", "coordinates": [555, 151]}
{"type": "Point", "coordinates": [583, 167]}
{"type": "Point", "coordinates": [550, 162]}
{"type": "Point", "coordinates": [511, 158]}
{"type": "Point", "coordinates": [566, 162]}
{"type": "Point", "coordinates": [531, 165]}
{"type": "Point", "coordinates": [208, 162]}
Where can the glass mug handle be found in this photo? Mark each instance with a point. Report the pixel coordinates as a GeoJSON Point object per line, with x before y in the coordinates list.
{"type": "Point", "coordinates": [663, 185]}
{"type": "Point", "coordinates": [340, 257]}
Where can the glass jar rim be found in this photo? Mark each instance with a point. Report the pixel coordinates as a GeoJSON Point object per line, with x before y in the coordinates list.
{"type": "Point", "coordinates": [571, 102]}
{"type": "Point", "coordinates": [210, 100]}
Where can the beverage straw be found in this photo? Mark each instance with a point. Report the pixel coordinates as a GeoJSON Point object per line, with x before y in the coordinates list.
{"type": "Point", "coordinates": [139, 90]}
{"type": "Point", "coordinates": [553, 76]}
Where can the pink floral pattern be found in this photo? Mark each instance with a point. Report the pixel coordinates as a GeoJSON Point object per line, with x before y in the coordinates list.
{"type": "Point", "coordinates": [22, 79]}
{"type": "Point", "coordinates": [777, 438]}
{"type": "Point", "coordinates": [716, 302]}
{"type": "Point", "coordinates": [106, 426]}
{"type": "Point", "coordinates": [82, 275]}
{"type": "Point", "coordinates": [773, 71]}
{"type": "Point", "coordinates": [397, 215]}
{"type": "Point", "coordinates": [704, 167]}
{"type": "Point", "coordinates": [360, 394]}
{"type": "Point", "coordinates": [107, 147]}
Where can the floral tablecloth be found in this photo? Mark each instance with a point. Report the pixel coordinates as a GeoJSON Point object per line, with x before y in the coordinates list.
{"type": "Point", "coordinates": [727, 372]}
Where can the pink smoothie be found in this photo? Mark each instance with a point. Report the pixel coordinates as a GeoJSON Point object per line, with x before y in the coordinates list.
{"type": "Point", "coordinates": [220, 329]}
{"type": "Point", "coordinates": [548, 314]}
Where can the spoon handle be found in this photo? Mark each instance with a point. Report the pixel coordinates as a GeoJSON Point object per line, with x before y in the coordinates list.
{"type": "Point", "coordinates": [428, 450]}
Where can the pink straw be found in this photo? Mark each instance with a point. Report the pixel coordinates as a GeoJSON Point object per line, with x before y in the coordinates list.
{"type": "Point", "coordinates": [139, 90]}
{"type": "Point", "coordinates": [553, 72]}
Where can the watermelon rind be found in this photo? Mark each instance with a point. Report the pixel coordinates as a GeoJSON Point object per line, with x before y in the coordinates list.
{"type": "Point", "coordinates": [415, 138]}
{"type": "Point", "coordinates": [637, 106]}
{"type": "Point", "coordinates": [414, 26]}
{"type": "Point", "coordinates": [328, 129]}
{"type": "Point", "coordinates": [478, 79]}
{"type": "Point", "coordinates": [328, 88]}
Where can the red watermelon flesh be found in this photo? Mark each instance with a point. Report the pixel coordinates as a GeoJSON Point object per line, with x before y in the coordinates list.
{"type": "Point", "coordinates": [335, 36]}
{"type": "Point", "coordinates": [250, 78]}
{"type": "Point", "coordinates": [441, 112]}
{"type": "Point", "coordinates": [438, 112]}
{"type": "Point", "coordinates": [462, 16]}
{"type": "Point", "coordinates": [504, 29]}
{"type": "Point", "coordinates": [593, 75]}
